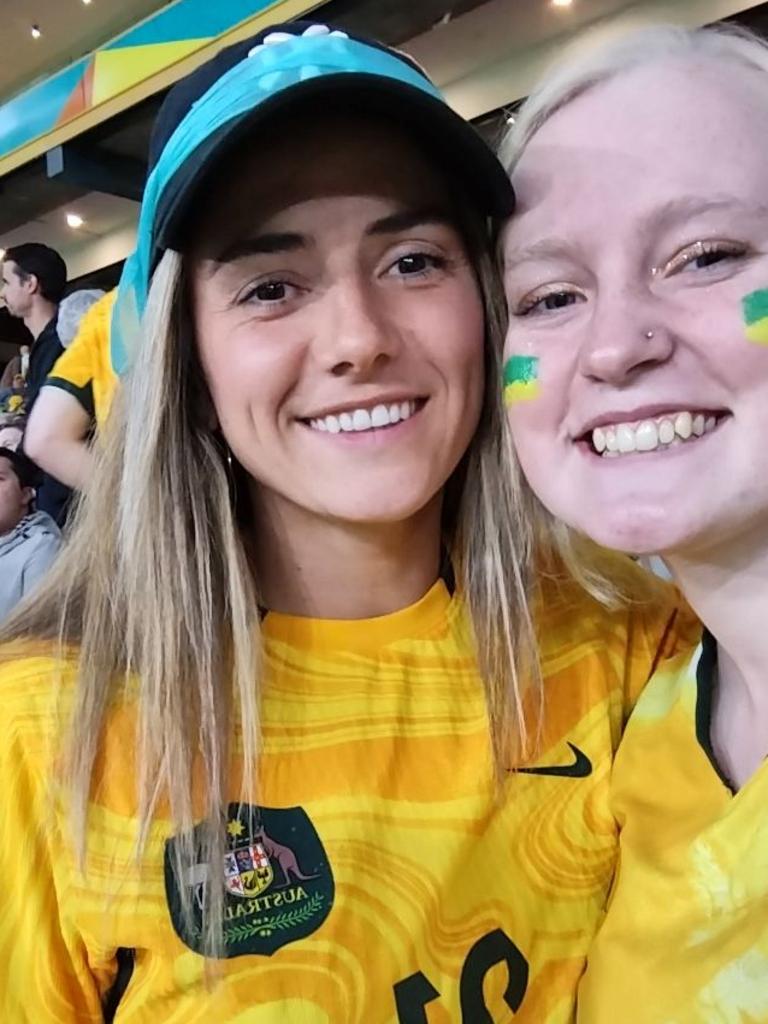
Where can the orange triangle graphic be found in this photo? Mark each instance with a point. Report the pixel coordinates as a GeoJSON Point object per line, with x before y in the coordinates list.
{"type": "Point", "coordinates": [80, 99]}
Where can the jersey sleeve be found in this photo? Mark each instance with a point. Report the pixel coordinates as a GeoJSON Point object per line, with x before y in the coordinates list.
{"type": "Point", "coordinates": [44, 974]}
{"type": "Point", "coordinates": [74, 371]}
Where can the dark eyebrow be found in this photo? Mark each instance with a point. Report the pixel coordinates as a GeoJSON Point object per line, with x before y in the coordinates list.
{"type": "Point", "coordinates": [289, 241]}
{"type": "Point", "coordinates": [274, 241]}
{"type": "Point", "coordinates": [404, 220]}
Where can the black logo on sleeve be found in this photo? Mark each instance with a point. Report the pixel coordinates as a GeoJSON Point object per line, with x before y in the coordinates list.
{"type": "Point", "coordinates": [579, 769]}
{"type": "Point", "coordinates": [279, 884]}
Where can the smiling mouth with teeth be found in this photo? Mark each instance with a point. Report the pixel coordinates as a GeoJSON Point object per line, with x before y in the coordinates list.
{"type": "Point", "coordinates": [669, 431]}
{"type": "Point", "coordinates": [357, 421]}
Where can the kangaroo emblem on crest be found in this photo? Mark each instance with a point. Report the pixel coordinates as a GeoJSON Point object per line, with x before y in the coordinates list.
{"type": "Point", "coordinates": [283, 855]}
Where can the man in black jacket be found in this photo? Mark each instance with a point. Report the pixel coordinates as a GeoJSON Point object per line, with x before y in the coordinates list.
{"type": "Point", "coordinates": [34, 277]}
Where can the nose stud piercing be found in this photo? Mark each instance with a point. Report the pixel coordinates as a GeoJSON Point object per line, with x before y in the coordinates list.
{"type": "Point", "coordinates": [648, 335]}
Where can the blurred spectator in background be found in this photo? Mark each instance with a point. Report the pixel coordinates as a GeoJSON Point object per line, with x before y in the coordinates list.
{"type": "Point", "coordinates": [77, 392]}
{"type": "Point", "coordinates": [29, 540]}
{"type": "Point", "coordinates": [72, 310]}
{"type": "Point", "coordinates": [11, 430]}
{"type": "Point", "coordinates": [12, 398]}
{"type": "Point", "coordinates": [16, 365]}
{"type": "Point", "coordinates": [34, 279]}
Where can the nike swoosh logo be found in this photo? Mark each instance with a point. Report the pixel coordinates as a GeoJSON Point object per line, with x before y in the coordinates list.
{"type": "Point", "coordinates": [580, 769]}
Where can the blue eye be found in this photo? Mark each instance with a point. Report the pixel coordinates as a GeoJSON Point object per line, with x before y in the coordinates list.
{"type": "Point", "coordinates": [703, 255]}
{"type": "Point", "coordinates": [549, 303]}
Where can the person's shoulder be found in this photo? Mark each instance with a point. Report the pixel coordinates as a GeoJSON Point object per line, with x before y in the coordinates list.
{"type": "Point", "coordinates": [40, 524]}
{"type": "Point", "coordinates": [33, 677]}
{"type": "Point", "coordinates": [97, 321]}
{"type": "Point", "coordinates": [623, 606]}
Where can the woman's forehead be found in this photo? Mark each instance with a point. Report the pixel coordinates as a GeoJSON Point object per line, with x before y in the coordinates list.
{"type": "Point", "coordinates": [646, 134]}
{"type": "Point", "coordinates": [335, 160]}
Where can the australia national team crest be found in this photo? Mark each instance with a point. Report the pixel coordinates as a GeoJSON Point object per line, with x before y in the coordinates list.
{"type": "Point", "coordinates": [278, 882]}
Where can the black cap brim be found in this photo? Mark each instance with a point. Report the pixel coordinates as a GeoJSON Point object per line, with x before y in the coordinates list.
{"type": "Point", "coordinates": [440, 132]}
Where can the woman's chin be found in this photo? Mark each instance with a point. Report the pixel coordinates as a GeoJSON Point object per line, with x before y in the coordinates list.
{"type": "Point", "coordinates": [638, 531]}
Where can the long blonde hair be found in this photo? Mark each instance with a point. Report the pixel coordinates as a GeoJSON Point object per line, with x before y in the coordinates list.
{"type": "Point", "coordinates": [155, 595]}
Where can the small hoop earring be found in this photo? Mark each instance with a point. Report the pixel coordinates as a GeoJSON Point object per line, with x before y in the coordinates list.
{"type": "Point", "coordinates": [648, 335]}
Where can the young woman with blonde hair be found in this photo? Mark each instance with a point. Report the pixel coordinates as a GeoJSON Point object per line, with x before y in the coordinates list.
{"type": "Point", "coordinates": [636, 272]}
{"type": "Point", "coordinates": [297, 609]}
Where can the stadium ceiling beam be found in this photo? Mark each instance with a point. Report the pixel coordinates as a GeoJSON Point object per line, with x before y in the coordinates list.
{"type": "Point", "coordinates": [96, 170]}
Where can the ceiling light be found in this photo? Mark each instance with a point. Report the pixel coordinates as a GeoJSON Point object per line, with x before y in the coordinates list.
{"type": "Point", "coordinates": [35, 30]}
{"type": "Point", "coordinates": [75, 220]}
{"type": "Point", "coordinates": [86, 1]}
{"type": "Point", "coordinates": [562, 3]}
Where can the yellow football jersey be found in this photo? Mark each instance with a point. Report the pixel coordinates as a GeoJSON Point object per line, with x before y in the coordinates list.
{"type": "Point", "coordinates": [685, 940]}
{"type": "Point", "coordinates": [382, 878]}
{"type": "Point", "coordinates": [85, 369]}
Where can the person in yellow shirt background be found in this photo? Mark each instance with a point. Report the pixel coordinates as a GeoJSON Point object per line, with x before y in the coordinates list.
{"type": "Point", "coordinates": [77, 393]}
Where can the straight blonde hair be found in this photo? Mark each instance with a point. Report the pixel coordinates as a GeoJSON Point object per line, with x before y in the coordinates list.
{"type": "Point", "coordinates": [155, 598]}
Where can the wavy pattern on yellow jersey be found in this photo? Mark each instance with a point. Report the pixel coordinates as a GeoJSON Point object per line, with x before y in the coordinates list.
{"type": "Point", "coordinates": [451, 903]}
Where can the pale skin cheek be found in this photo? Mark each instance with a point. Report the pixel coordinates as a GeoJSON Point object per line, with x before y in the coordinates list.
{"type": "Point", "coordinates": [755, 315]}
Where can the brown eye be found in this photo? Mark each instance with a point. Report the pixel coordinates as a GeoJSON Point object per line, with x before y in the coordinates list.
{"type": "Point", "coordinates": [269, 291]}
{"type": "Point", "coordinates": [559, 300]}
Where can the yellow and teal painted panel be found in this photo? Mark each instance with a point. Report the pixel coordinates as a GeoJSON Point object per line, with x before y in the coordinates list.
{"type": "Point", "coordinates": [755, 308]}
{"type": "Point", "coordinates": [140, 54]}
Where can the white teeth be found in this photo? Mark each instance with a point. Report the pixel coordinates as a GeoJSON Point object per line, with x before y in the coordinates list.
{"type": "Point", "coordinates": [666, 432]}
{"type": "Point", "coordinates": [684, 425]}
{"type": "Point", "coordinates": [625, 435]}
{"type": "Point", "coordinates": [380, 416]}
{"type": "Point", "coordinates": [360, 420]}
{"type": "Point", "coordinates": [648, 435]}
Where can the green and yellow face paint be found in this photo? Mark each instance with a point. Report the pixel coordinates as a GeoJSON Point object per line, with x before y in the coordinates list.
{"type": "Point", "coordinates": [755, 308]}
{"type": "Point", "coordinates": [521, 379]}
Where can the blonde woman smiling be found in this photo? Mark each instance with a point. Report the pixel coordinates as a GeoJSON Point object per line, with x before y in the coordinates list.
{"type": "Point", "coordinates": [636, 271]}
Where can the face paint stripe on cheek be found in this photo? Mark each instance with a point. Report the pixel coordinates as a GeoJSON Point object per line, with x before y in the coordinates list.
{"type": "Point", "coordinates": [755, 306]}
{"type": "Point", "coordinates": [521, 379]}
